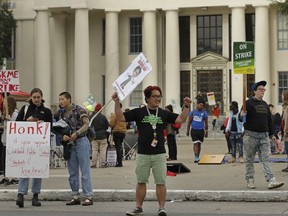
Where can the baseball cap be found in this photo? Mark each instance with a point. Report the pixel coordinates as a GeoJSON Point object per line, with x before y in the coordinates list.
{"type": "Point", "coordinates": [256, 84]}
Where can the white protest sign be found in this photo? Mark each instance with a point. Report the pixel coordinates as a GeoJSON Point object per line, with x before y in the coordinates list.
{"type": "Point", "coordinates": [28, 149]}
{"type": "Point", "coordinates": [9, 81]}
{"type": "Point", "coordinates": [211, 98]}
{"type": "Point", "coordinates": [132, 76]}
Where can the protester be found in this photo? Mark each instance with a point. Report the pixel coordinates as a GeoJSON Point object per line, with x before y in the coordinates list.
{"type": "Point", "coordinates": [277, 120]}
{"type": "Point", "coordinates": [118, 131]}
{"type": "Point", "coordinates": [215, 116]}
{"type": "Point", "coordinates": [198, 120]}
{"type": "Point", "coordinates": [171, 137]}
{"type": "Point", "coordinates": [227, 134]}
{"type": "Point", "coordinates": [236, 130]}
{"type": "Point", "coordinates": [285, 123]}
{"type": "Point", "coordinates": [76, 117]}
{"type": "Point", "coordinates": [35, 112]}
{"type": "Point", "coordinates": [258, 130]}
{"type": "Point", "coordinates": [151, 121]}
{"type": "Point", "coordinates": [99, 145]}
{"type": "Point", "coordinates": [12, 114]}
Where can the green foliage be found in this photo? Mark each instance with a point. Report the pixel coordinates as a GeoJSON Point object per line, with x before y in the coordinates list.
{"type": "Point", "coordinates": [282, 6]}
{"type": "Point", "coordinates": [7, 26]}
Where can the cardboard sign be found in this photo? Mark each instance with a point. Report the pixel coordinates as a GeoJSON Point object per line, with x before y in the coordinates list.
{"type": "Point", "coordinates": [9, 81]}
{"type": "Point", "coordinates": [28, 149]}
{"type": "Point", "coordinates": [211, 98]}
{"type": "Point", "coordinates": [132, 76]}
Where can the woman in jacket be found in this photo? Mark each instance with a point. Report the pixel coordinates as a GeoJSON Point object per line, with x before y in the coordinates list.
{"type": "Point", "coordinates": [34, 112]}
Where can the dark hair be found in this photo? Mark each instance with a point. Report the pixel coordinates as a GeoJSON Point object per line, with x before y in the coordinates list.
{"type": "Point", "coordinates": [36, 90]}
{"type": "Point", "coordinates": [169, 107]}
{"type": "Point", "coordinates": [234, 104]}
{"type": "Point", "coordinates": [148, 91]}
{"type": "Point", "coordinates": [66, 95]}
{"type": "Point", "coordinates": [200, 100]}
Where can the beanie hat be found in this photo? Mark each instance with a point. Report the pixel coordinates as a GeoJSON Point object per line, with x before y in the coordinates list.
{"type": "Point", "coordinates": [97, 107]}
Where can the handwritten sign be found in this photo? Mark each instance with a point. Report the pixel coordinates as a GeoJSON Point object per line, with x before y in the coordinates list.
{"type": "Point", "coordinates": [28, 149]}
{"type": "Point", "coordinates": [9, 81]}
{"type": "Point", "coordinates": [211, 98]}
{"type": "Point", "coordinates": [132, 76]}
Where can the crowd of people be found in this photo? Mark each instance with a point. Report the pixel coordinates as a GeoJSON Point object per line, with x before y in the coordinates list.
{"type": "Point", "coordinates": [250, 130]}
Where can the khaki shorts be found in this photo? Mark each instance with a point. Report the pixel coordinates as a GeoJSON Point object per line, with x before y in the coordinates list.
{"type": "Point", "coordinates": [144, 163]}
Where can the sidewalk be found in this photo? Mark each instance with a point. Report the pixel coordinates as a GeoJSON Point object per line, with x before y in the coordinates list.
{"type": "Point", "coordinates": [224, 182]}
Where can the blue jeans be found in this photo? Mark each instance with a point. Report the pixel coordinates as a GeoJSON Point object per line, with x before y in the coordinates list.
{"type": "Point", "coordinates": [24, 183]}
{"type": "Point", "coordinates": [80, 158]}
{"type": "Point", "coordinates": [235, 138]}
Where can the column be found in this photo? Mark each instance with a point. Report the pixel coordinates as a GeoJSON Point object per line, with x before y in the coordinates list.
{"type": "Point", "coordinates": [238, 35]}
{"type": "Point", "coordinates": [172, 84]}
{"type": "Point", "coordinates": [262, 50]}
{"type": "Point", "coordinates": [82, 63]}
{"type": "Point", "coordinates": [150, 46]}
{"type": "Point", "coordinates": [112, 55]}
{"type": "Point", "coordinates": [42, 55]}
{"type": "Point", "coordinates": [59, 57]}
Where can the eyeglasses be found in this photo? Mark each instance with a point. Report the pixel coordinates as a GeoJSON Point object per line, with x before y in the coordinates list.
{"type": "Point", "coordinates": [157, 97]}
{"type": "Point", "coordinates": [261, 89]}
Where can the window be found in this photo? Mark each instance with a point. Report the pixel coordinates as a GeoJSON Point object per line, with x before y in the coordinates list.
{"type": "Point", "coordinates": [282, 31]}
{"type": "Point", "coordinates": [135, 35]}
{"type": "Point", "coordinates": [184, 85]}
{"type": "Point", "coordinates": [250, 27]}
{"type": "Point", "coordinates": [103, 36]}
{"type": "Point", "coordinates": [184, 34]}
{"type": "Point", "coordinates": [209, 34]}
{"type": "Point", "coordinates": [136, 96]}
{"type": "Point", "coordinates": [283, 84]}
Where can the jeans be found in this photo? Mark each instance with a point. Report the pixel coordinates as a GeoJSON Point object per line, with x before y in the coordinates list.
{"type": "Point", "coordinates": [236, 138]}
{"type": "Point", "coordinates": [24, 183]}
{"type": "Point", "coordinates": [80, 158]}
{"type": "Point", "coordinates": [257, 142]}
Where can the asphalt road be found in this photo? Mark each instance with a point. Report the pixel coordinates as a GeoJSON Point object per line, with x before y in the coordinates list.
{"type": "Point", "coordinates": [8, 208]}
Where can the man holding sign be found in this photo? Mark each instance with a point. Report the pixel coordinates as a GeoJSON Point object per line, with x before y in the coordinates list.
{"type": "Point", "coordinates": [151, 121]}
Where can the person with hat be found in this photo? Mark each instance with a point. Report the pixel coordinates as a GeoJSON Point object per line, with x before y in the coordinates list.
{"type": "Point", "coordinates": [198, 121]}
{"type": "Point", "coordinates": [258, 131]}
{"type": "Point", "coordinates": [235, 129]}
{"type": "Point", "coordinates": [99, 144]}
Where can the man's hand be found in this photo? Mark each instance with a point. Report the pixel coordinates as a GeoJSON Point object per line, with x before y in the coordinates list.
{"type": "Point", "coordinates": [187, 101]}
{"type": "Point", "coordinates": [115, 97]}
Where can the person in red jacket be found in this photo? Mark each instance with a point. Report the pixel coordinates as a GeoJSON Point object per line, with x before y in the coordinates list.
{"type": "Point", "coordinates": [216, 113]}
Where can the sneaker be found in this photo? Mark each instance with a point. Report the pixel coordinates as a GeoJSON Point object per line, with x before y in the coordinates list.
{"type": "Point", "coordinates": [3, 181]}
{"type": "Point", "coordinates": [250, 184]}
{"type": "Point", "coordinates": [14, 181]}
{"type": "Point", "coordinates": [232, 160]}
{"type": "Point", "coordinates": [162, 212]}
{"type": "Point", "coordinates": [136, 211]}
{"type": "Point", "coordinates": [274, 184]}
{"type": "Point", "coordinates": [241, 160]}
{"type": "Point", "coordinates": [285, 170]}
{"type": "Point", "coordinates": [9, 183]}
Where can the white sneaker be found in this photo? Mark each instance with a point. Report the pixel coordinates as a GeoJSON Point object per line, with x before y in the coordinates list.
{"type": "Point", "coordinates": [250, 184]}
{"type": "Point", "coordinates": [274, 184]}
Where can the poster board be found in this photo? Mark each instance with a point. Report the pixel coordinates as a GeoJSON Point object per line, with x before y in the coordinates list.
{"type": "Point", "coordinates": [27, 149]}
{"type": "Point", "coordinates": [9, 81]}
{"type": "Point", "coordinates": [211, 98]}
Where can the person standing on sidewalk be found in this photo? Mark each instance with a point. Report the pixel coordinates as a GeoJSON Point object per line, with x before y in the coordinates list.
{"type": "Point", "coordinates": [258, 130]}
{"type": "Point", "coordinates": [99, 144]}
{"type": "Point", "coordinates": [118, 130]}
{"type": "Point", "coordinates": [34, 112]}
{"type": "Point", "coordinates": [235, 129]}
{"type": "Point", "coordinates": [151, 121]}
{"type": "Point", "coordinates": [79, 160]}
{"type": "Point", "coordinates": [198, 120]}
{"type": "Point", "coordinates": [285, 124]}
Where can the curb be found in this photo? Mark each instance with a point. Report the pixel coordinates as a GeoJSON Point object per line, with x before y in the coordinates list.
{"type": "Point", "coordinates": [172, 195]}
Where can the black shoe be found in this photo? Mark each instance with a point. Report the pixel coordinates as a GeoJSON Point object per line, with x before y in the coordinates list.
{"type": "Point", "coordinates": [136, 211]}
{"type": "Point", "coordinates": [162, 212]}
{"type": "Point", "coordinates": [4, 181]}
{"type": "Point", "coordinates": [87, 202]}
{"type": "Point", "coordinates": [20, 200]}
{"type": "Point", "coordinates": [35, 200]}
{"type": "Point", "coordinates": [74, 202]}
{"type": "Point", "coordinates": [285, 170]}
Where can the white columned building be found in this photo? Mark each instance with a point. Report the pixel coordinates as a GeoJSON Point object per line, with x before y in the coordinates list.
{"type": "Point", "coordinates": [150, 46]}
{"type": "Point", "coordinates": [112, 55]}
{"type": "Point", "coordinates": [172, 75]}
{"type": "Point", "coordinates": [42, 55]}
{"type": "Point", "coordinates": [238, 35]}
{"type": "Point", "coordinates": [82, 69]}
{"type": "Point", "coordinates": [262, 48]}
{"type": "Point", "coordinates": [59, 57]}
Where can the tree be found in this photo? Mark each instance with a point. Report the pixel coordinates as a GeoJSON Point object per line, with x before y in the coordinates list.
{"type": "Point", "coordinates": [281, 6]}
{"type": "Point", "coordinates": [7, 26]}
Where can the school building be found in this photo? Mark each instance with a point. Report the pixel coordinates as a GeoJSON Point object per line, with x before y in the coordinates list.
{"type": "Point", "coordinates": [83, 46]}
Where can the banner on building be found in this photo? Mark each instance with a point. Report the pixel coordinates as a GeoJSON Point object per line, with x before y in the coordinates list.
{"type": "Point", "coordinates": [243, 57]}
{"type": "Point", "coordinates": [132, 76]}
{"type": "Point", "coordinates": [9, 81]}
{"type": "Point", "coordinates": [27, 149]}
{"type": "Point", "coordinates": [211, 98]}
